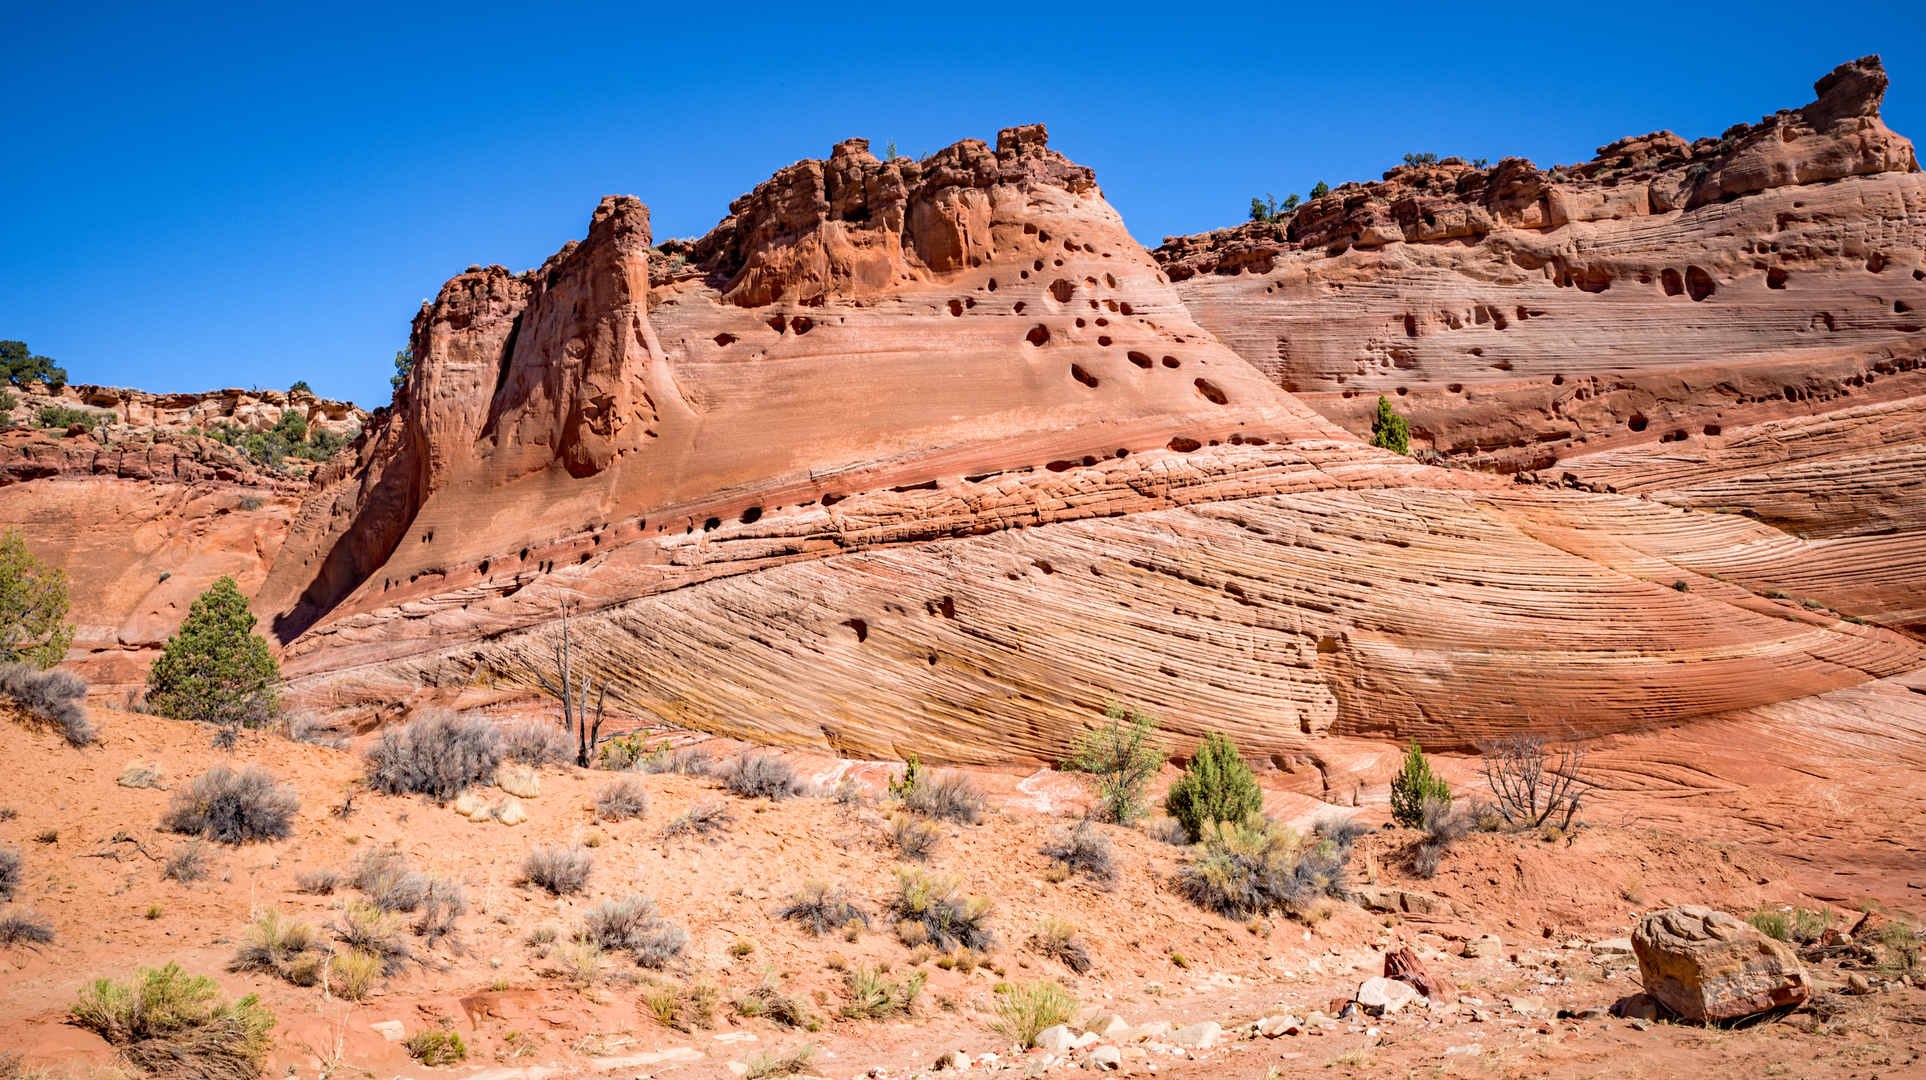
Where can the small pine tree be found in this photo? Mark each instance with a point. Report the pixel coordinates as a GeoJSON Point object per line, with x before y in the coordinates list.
{"type": "Point", "coordinates": [1389, 430]}
{"type": "Point", "coordinates": [404, 364]}
{"type": "Point", "coordinates": [300, 387]}
{"type": "Point", "coordinates": [1258, 213]}
{"type": "Point", "coordinates": [216, 670]}
{"type": "Point", "coordinates": [1216, 786]}
{"type": "Point", "coordinates": [1322, 189]}
{"type": "Point", "coordinates": [1414, 786]}
{"type": "Point", "coordinates": [33, 607]}
{"type": "Point", "coordinates": [1119, 761]}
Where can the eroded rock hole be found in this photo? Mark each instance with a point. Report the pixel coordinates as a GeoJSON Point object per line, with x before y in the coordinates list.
{"type": "Point", "coordinates": [1124, 307]}
{"type": "Point", "coordinates": [1671, 282]}
{"type": "Point", "coordinates": [1211, 392]}
{"type": "Point", "coordinates": [1184, 445]}
{"type": "Point", "coordinates": [956, 308]}
{"type": "Point", "coordinates": [1082, 376]}
{"type": "Point", "coordinates": [752, 515]}
{"type": "Point", "coordinates": [1038, 335]}
{"type": "Point", "coordinates": [1698, 283]}
{"type": "Point", "coordinates": [802, 324]}
{"type": "Point", "coordinates": [991, 285]}
{"type": "Point", "coordinates": [1018, 307]}
{"type": "Point", "coordinates": [861, 628]}
{"type": "Point", "coordinates": [725, 339]}
{"type": "Point", "coordinates": [1775, 278]}
{"type": "Point", "coordinates": [1105, 341]}
{"type": "Point", "coordinates": [1410, 326]}
{"type": "Point", "coordinates": [778, 323]}
{"type": "Point", "coordinates": [1139, 359]}
{"type": "Point", "coordinates": [1712, 429]}
{"type": "Point", "coordinates": [1062, 290]}
{"type": "Point", "coordinates": [1171, 361]}
{"type": "Point", "coordinates": [1637, 422]}
{"type": "Point", "coordinates": [712, 524]}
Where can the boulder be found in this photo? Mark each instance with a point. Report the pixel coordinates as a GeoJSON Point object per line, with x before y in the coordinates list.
{"type": "Point", "coordinates": [1527, 1004]}
{"type": "Point", "coordinates": [1197, 1036]}
{"type": "Point", "coordinates": [1858, 984]}
{"type": "Point", "coordinates": [1636, 1007]}
{"type": "Point", "coordinates": [1482, 946]}
{"type": "Point", "coordinates": [1106, 1025]}
{"type": "Point", "coordinates": [1106, 1057]}
{"type": "Point", "coordinates": [1612, 947]}
{"type": "Point", "coordinates": [1707, 965]}
{"type": "Point", "coordinates": [953, 1059]}
{"type": "Point", "coordinates": [1273, 1026]}
{"type": "Point", "coordinates": [1056, 1039]}
{"type": "Point", "coordinates": [1382, 997]}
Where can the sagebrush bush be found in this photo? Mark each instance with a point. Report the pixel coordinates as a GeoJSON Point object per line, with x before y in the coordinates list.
{"type": "Point", "coordinates": [1442, 829]}
{"type": "Point", "coordinates": [875, 996]}
{"type": "Point", "coordinates": [187, 863]}
{"type": "Point", "coordinates": [561, 870]}
{"type": "Point", "coordinates": [314, 730]}
{"type": "Point", "coordinates": [755, 774]}
{"type": "Point", "coordinates": [177, 1025]}
{"type": "Point", "coordinates": [938, 904]}
{"type": "Point", "coordinates": [1084, 849]}
{"type": "Point", "coordinates": [444, 900]}
{"type": "Point", "coordinates": [374, 933]}
{"type": "Point", "coordinates": [821, 908]}
{"type": "Point", "coordinates": [631, 924]}
{"type": "Point", "coordinates": [24, 928]}
{"type": "Point", "coordinates": [271, 942]}
{"type": "Point", "coordinates": [949, 795]}
{"type": "Point", "coordinates": [317, 882]}
{"type": "Point", "coordinates": [437, 1048]}
{"type": "Point", "coordinates": [390, 883]}
{"type": "Point", "coordinates": [1058, 940]}
{"type": "Point", "coordinates": [50, 699]}
{"type": "Point", "coordinates": [1216, 786]}
{"type": "Point", "coordinates": [234, 806]}
{"type": "Point", "coordinates": [9, 873]}
{"type": "Point", "coordinates": [536, 743]}
{"type": "Point", "coordinates": [914, 837]}
{"type": "Point", "coordinates": [1414, 786]}
{"type": "Point", "coordinates": [437, 754]}
{"type": "Point", "coordinates": [1030, 1007]}
{"type": "Point", "coordinates": [1259, 867]}
{"type": "Point", "coordinates": [704, 816]}
{"type": "Point", "coordinates": [621, 799]}
{"type": "Point", "coordinates": [767, 999]}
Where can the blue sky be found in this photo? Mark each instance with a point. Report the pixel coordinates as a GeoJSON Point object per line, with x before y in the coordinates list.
{"type": "Point", "coordinates": [243, 196]}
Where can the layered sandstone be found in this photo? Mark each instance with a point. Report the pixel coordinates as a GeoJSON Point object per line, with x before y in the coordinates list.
{"type": "Point", "coordinates": [930, 457]}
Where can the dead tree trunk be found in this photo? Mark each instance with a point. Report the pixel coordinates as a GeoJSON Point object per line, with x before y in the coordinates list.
{"type": "Point", "coordinates": [575, 699]}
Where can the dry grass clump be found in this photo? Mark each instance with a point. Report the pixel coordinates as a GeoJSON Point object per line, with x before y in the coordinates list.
{"type": "Point", "coordinates": [937, 903]}
{"type": "Point", "coordinates": [914, 837]}
{"type": "Point", "coordinates": [187, 863]}
{"type": "Point", "coordinates": [767, 999]}
{"type": "Point", "coordinates": [437, 754]}
{"type": "Point", "coordinates": [49, 699]}
{"type": "Point", "coordinates": [563, 871]}
{"type": "Point", "coordinates": [582, 961]}
{"type": "Point", "coordinates": [141, 774]}
{"type": "Point", "coordinates": [621, 799]}
{"type": "Point", "coordinates": [9, 873]}
{"type": "Point", "coordinates": [632, 925]}
{"type": "Point", "coordinates": [177, 1025]}
{"type": "Point", "coordinates": [948, 795]}
{"type": "Point", "coordinates": [690, 1010]}
{"type": "Point", "coordinates": [1058, 940]}
{"type": "Point", "coordinates": [519, 780]}
{"type": "Point", "coordinates": [390, 883]}
{"type": "Point", "coordinates": [875, 996]}
{"type": "Point", "coordinates": [372, 932]}
{"type": "Point", "coordinates": [1260, 867]}
{"type": "Point", "coordinates": [703, 817]}
{"type": "Point", "coordinates": [1028, 1008]}
{"type": "Point", "coordinates": [535, 743]}
{"type": "Point", "coordinates": [271, 943]}
{"type": "Point", "coordinates": [757, 774]}
{"type": "Point", "coordinates": [821, 908]}
{"type": "Point", "coordinates": [767, 1064]}
{"type": "Point", "coordinates": [23, 928]}
{"type": "Point", "coordinates": [234, 806]}
{"type": "Point", "coordinates": [1083, 849]}
{"type": "Point", "coordinates": [317, 882]}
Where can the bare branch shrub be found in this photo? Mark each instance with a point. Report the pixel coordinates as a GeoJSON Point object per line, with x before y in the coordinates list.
{"type": "Point", "coordinates": [188, 863]}
{"type": "Point", "coordinates": [9, 873]}
{"type": "Point", "coordinates": [950, 795]}
{"type": "Point", "coordinates": [25, 928]}
{"type": "Point", "coordinates": [621, 799]}
{"type": "Point", "coordinates": [822, 908]}
{"type": "Point", "coordinates": [756, 774]}
{"type": "Point", "coordinates": [631, 924]}
{"type": "Point", "coordinates": [437, 754]}
{"type": "Point", "coordinates": [914, 837]}
{"type": "Point", "coordinates": [704, 816]}
{"type": "Point", "coordinates": [391, 884]}
{"type": "Point", "coordinates": [317, 882]}
{"type": "Point", "coordinates": [1533, 785]}
{"type": "Point", "coordinates": [560, 870]}
{"type": "Point", "coordinates": [234, 806]}
{"type": "Point", "coordinates": [51, 699]}
{"type": "Point", "coordinates": [535, 743]}
{"type": "Point", "coordinates": [1085, 850]}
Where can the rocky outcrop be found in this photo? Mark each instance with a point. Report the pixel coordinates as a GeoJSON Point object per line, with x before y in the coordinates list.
{"type": "Point", "coordinates": [1653, 303]}
{"type": "Point", "coordinates": [1705, 965]}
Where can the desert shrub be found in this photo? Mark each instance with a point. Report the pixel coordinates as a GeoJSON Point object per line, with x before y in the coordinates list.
{"type": "Point", "coordinates": [1442, 829]}
{"type": "Point", "coordinates": [767, 1064]}
{"type": "Point", "coordinates": [1244, 870]}
{"type": "Point", "coordinates": [444, 900]}
{"type": "Point", "coordinates": [875, 996]}
{"type": "Point", "coordinates": [52, 700]}
{"type": "Point", "coordinates": [938, 904]}
{"type": "Point", "coordinates": [437, 754]}
{"type": "Point", "coordinates": [632, 924]}
{"type": "Point", "coordinates": [1389, 430]}
{"type": "Point", "coordinates": [679, 760]}
{"type": "Point", "coordinates": [1083, 849]}
{"type": "Point", "coordinates": [582, 961]}
{"type": "Point", "coordinates": [767, 999]}
{"type": "Point", "coordinates": [9, 873]}
{"type": "Point", "coordinates": [372, 932]}
{"type": "Point", "coordinates": [914, 837]}
{"type": "Point", "coordinates": [1533, 785]}
{"type": "Point", "coordinates": [948, 795]}
{"type": "Point", "coordinates": [754, 774]}
{"type": "Point", "coordinates": [187, 863]}
{"type": "Point", "coordinates": [1058, 940]}
{"type": "Point", "coordinates": [621, 799]}
{"type": "Point", "coordinates": [215, 669]}
{"type": "Point", "coordinates": [821, 908]}
{"type": "Point", "coordinates": [1216, 786]}
{"type": "Point", "coordinates": [561, 870]}
{"type": "Point", "coordinates": [234, 806]}
{"type": "Point", "coordinates": [390, 883]}
{"type": "Point", "coordinates": [1167, 830]}
{"type": "Point", "coordinates": [34, 630]}
{"type": "Point", "coordinates": [173, 1024]}
{"type": "Point", "coordinates": [520, 780]}
{"type": "Point", "coordinates": [317, 882]}
{"type": "Point", "coordinates": [1028, 1008]}
{"type": "Point", "coordinates": [23, 927]}
{"type": "Point", "coordinates": [354, 975]}
{"type": "Point", "coordinates": [271, 942]}
{"type": "Point", "coordinates": [1117, 761]}
{"type": "Point", "coordinates": [435, 1048]}
{"type": "Point", "coordinates": [318, 731]}
{"type": "Point", "coordinates": [704, 816]}
{"type": "Point", "coordinates": [141, 775]}
{"type": "Point", "coordinates": [1414, 786]}
{"type": "Point", "coordinates": [535, 743]}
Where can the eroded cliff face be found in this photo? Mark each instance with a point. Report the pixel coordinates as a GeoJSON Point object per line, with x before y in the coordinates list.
{"type": "Point", "coordinates": [931, 457]}
{"type": "Point", "coordinates": [1731, 323]}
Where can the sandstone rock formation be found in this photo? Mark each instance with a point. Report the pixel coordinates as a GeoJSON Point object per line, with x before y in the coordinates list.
{"type": "Point", "coordinates": [930, 458]}
{"type": "Point", "coordinates": [1706, 965]}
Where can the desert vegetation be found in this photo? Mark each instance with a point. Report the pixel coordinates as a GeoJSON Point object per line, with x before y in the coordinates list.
{"type": "Point", "coordinates": [438, 753]}
{"type": "Point", "coordinates": [1217, 786]}
{"type": "Point", "coordinates": [170, 1023]}
{"type": "Point", "coordinates": [215, 670]}
{"type": "Point", "coordinates": [1118, 760]}
{"type": "Point", "coordinates": [234, 806]}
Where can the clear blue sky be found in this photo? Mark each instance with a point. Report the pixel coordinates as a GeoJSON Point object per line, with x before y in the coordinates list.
{"type": "Point", "coordinates": [199, 198]}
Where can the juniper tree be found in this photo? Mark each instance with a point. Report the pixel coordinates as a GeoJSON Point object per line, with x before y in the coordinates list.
{"type": "Point", "coordinates": [33, 607]}
{"type": "Point", "coordinates": [1216, 786]}
{"type": "Point", "coordinates": [1389, 430]}
{"type": "Point", "coordinates": [216, 670]}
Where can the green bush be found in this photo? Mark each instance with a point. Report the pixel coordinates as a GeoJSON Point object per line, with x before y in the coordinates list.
{"type": "Point", "coordinates": [1216, 786]}
{"type": "Point", "coordinates": [1030, 1007]}
{"type": "Point", "coordinates": [1389, 430]}
{"type": "Point", "coordinates": [216, 670]}
{"type": "Point", "coordinates": [1118, 761]}
{"type": "Point", "coordinates": [1259, 867]}
{"type": "Point", "coordinates": [437, 1047]}
{"type": "Point", "coordinates": [1322, 189]}
{"type": "Point", "coordinates": [173, 1024]}
{"type": "Point", "coordinates": [1413, 786]}
{"type": "Point", "coordinates": [33, 607]}
{"type": "Point", "coordinates": [64, 417]}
